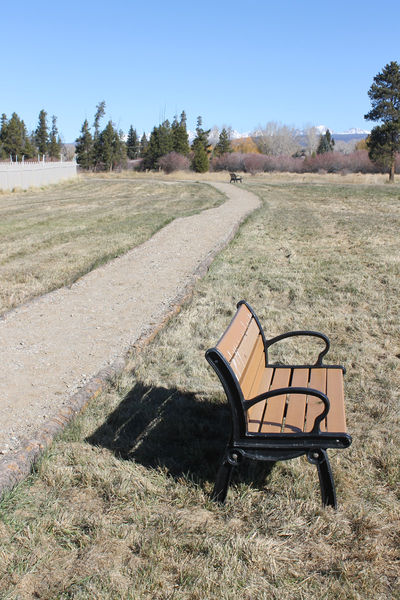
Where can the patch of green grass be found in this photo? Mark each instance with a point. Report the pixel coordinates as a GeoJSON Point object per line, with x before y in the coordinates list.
{"type": "Point", "coordinates": [49, 238]}
{"type": "Point", "coordinates": [119, 506]}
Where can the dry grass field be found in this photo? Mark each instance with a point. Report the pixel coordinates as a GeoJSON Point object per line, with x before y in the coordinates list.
{"type": "Point", "coordinates": [119, 506]}
{"type": "Point", "coordinates": [51, 237]}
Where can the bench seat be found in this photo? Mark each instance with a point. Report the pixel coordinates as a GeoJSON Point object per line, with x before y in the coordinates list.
{"type": "Point", "coordinates": [295, 413]}
{"type": "Point", "coordinates": [278, 411]}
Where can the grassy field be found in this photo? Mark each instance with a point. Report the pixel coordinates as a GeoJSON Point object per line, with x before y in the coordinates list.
{"type": "Point", "coordinates": [119, 505]}
{"type": "Point", "coordinates": [50, 238]}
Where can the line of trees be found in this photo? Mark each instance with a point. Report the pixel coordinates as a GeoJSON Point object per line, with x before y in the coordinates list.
{"type": "Point", "coordinates": [168, 145]}
{"type": "Point", "coordinates": [17, 143]}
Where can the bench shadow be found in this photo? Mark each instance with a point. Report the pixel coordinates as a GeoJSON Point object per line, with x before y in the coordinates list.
{"type": "Point", "coordinates": [180, 432]}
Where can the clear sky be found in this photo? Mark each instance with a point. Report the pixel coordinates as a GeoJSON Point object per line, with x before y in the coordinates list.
{"type": "Point", "coordinates": [235, 63]}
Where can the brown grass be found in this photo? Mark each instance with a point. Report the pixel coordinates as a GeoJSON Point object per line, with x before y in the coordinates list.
{"type": "Point", "coordinates": [119, 506]}
{"type": "Point", "coordinates": [51, 237]}
{"type": "Point", "coordinates": [259, 178]}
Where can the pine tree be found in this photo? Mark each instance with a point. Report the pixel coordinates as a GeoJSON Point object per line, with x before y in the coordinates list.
{"type": "Point", "coordinates": [97, 150]}
{"type": "Point", "coordinates": [143, 146]}
{"type": "Point", "coordinates": [384, 141]}
{"type": "Point", "coordinates": [132, 144]}
{"type": "Point", "coordinates": [84, 147]}
{"type": "Point", "coordinates": [112, 147]}
{"type": "Point", "coordinates": [119, 149]}
{"type": "Point", "coordinates": [224, 144]}
{"type": "Point", "coordinates": [54, 146]}
{"type": "Point", "coordinates": [3, 133]}
{"type": "Point", "coordinates": [29, 150]}
{"type": "Point", "coordinates": [100, 112]}
{"type": "Point", "coordinates": [105, 146]}
{"type": "Point", "coordinates": [41, 133]}
{"type": "Point", "coordinates": [3, 125]}
{"type": "Point", "coordinates": [16, 141]}
{"type": "Point", "coordinates": [160, 144]}
{"type": "Point", "coordinates": [326, 143]}
{"type": "Point", "coordinates": [201, 149]}
{"type": "Point", "coordinates": [180, 138]}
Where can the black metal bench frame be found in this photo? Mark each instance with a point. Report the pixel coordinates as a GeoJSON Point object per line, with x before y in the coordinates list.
{"type": "Point", "coordinates": [275, 446]}
{"type": "Point", "coordinates": [235, 178]}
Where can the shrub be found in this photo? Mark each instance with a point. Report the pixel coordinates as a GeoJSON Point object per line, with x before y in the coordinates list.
{"type": "Point", "coordinates": [173, 161]}
{"type": "Point", "coordinates": [255, 163]}
{"type": "Point", "coordinates": [335, 162]}
{"type": "Point", "coordinates": [329, 162]}
{"type": "Point", "coordinates": [230, 161]}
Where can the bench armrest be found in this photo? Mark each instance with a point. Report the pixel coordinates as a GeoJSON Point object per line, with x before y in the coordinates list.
{"type": "Point", "coordinates": [294, 390]}
{"type": "Point", "coordinates": [283, 336]}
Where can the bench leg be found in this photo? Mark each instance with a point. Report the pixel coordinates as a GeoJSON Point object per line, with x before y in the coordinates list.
{"type": "Point", "coordinates": [326, 483]}
{"type": "Point", "coordinates": [224, 475]}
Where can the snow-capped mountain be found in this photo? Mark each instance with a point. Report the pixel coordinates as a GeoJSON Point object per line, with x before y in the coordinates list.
{"type": "Point", "coordinates": [354, 131]}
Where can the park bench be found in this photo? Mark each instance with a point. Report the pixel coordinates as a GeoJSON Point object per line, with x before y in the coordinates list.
{"type": "Point", "coordinates": [278, 412]}
{"type": "Point", "coordinates": [235, 178]}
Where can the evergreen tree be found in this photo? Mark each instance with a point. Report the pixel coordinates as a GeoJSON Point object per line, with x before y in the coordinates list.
{"type": "Point", "coordinates": [120, 149]}
{"type": "Point", "coordinates": [15, 139]}
{"type": "Point", "coordinates": [201, 149]}
{"type": "Point", "coordinates": [160, 144]}
{"type": "Point", "coordinates": [112, 147]}
{"type": "Point", "coordinates": [143, 146]}
{"type": "Point", "coordinates": [105, 146]}
{"type": "Point", "coordinates": [224, 144]}
{"type": "Point", "coordinates": [100, 112]}
{"type": "Point", "coordinates": [84, 147]}
{"type": "Point", "coordinates": [3, 125]}
{"type": "Point", "coordinates": [326, 143]}
{"type": "Point", "coordinates": [30, 150]}
{"type": "Point", "coordinates": [54, 146]}
{"type": "Point", "coordinates": [97, 150]}
{"type": "Point", "coordinates": [3, 133]}
{"type": "Point", "coordinates": [384, 141]}
{"type": "Point", "coordinates": [41, 133]}
{"type": "Point", "coordinates": [132, 144]}
{"type": "Point", "coordinates": [180, 138]}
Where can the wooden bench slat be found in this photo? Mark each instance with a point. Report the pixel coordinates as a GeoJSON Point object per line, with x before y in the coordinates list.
{"type": "Point", "coordinates": [296, 410]}
{"type": "Point", "coordinates": [253, 370]}
{"type": "Point", "coordinates": [232, 337]}
{"type": "Point", "coordinates": [336, 417]}
{"type": "Point", "coordinates": [314, 405]}
{"type": "Point", "coordinates": [273, 416]}
{"type": "Point", "coordinates": [255, 413]}
{"type": "Point", "coordinates": [245, 349]}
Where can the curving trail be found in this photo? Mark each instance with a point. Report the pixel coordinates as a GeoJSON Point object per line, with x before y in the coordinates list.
{"type": "Point", "coordinates": [57, 351]}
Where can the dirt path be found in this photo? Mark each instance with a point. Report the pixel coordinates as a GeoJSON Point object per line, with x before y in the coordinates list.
{"type": "Point", "coordinates": [57, 350]}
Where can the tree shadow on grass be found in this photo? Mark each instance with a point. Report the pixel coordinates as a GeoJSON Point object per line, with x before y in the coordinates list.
{"type": "Point", "coordinates": [177, 431]}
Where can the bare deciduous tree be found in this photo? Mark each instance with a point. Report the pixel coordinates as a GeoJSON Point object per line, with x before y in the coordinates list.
{"type": "Point", "coordinates": [276, 139]}
{"type": "Point", "coordinates": [311, 134]}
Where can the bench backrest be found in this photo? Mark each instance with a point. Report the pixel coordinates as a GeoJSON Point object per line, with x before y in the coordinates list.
{"type": "Point", "coordinates": [242, 345]}
{"type": "Point", "coordinates": [236, 357]}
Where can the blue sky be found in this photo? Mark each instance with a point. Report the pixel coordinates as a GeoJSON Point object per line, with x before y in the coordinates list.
{"type": "Point", "coordinates": [235, 63]}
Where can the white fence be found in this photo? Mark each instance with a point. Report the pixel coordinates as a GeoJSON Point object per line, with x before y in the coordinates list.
{"type": "Point", "coordinates": [28, 174]}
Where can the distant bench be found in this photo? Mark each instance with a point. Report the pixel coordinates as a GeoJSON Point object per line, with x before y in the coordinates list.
{"type": "Point", "coordinates": [278, 412]}
{"type": "Point", "coordinates": [235, 178]}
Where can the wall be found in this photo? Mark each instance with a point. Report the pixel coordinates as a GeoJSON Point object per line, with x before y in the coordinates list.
{"type": "Point", "coordinates": [25, 175]}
